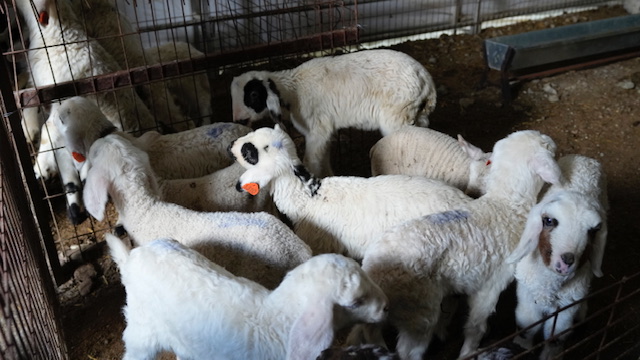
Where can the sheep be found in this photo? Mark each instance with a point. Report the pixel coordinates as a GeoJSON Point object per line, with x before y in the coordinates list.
{"type": "Point", "coordinates": [59, 50]}
{"type": "Point", "coordinates": [460, 251]}
{"type": "Point", "coordinates": [257, 246]}
{"type": "Point", "coordinates": [358, 352]}
{"type": "Point", "coordinates": [560, 250]}
{"type": "Point", "coordinates": [369, 90]}
{"type": "Point", "coordinates": [341, 214]}
{"type": "Point", "coordinates": [414, 150]}
{"type": "Point", "coordinates": [186, 154]}
{"type": "Point", "coordinates": [172, 99]}
{"type": "Point", "coordinates": [51, 153]}
{"type": "Point", "coordinates": [179, 301]}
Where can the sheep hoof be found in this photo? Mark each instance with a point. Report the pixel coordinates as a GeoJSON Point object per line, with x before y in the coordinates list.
{"type": "Point", "coordinates": [76, 214]}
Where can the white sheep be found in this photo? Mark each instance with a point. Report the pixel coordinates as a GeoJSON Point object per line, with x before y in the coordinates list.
{"type": "Point", "coordinates": [177, 300]}
{"type": "Point", "coordinates": [463, 250]}
{"type": "Point", "coordinates": [52, 153]}
{"type": "Point", "coordinates": [369, 90]}
{"type": "Point", "coordinates": [414, 150]}
{"type": "Point", "coordinates": [176, 102]}
{"type": "Point", "coordinates": [186, 154]}
{"type": "Point", "coordinates": [341, 214]}
{"type": "Point", "coordinates": [60, 50]}
{"type": "Point", "coordinates": [257, 246]}
{"type": "Point", "coordinates": [560, 250]}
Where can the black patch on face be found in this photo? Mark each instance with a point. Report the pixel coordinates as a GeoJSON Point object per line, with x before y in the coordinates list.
{"type": "Point", "coordinates": [249, 153]}
{"type": "Point", "coordinates": [312, 183]}
{"type": "Point", "coordinates": [255, 95]}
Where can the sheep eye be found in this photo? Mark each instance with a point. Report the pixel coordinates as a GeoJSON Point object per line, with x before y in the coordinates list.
{"type": "Point", "coordinates": [356, 303]}
{"type": "Point", "coordinates": [549, 222]}
{"type": "Point", "coordinates": [595, 229]}
{"type": "Point", "coordinates": [266, 148]}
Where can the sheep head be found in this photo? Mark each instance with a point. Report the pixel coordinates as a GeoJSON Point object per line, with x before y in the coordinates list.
{"type": "Point", "coordinates": [266, 154]}
{"type": "Point", "coordinates": [254, 96]}
{"type": "Point", "coordinates": [561, 232]}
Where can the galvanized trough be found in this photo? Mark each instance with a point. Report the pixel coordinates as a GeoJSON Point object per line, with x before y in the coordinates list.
{"type": "Point", "coordinates": [557, 49]}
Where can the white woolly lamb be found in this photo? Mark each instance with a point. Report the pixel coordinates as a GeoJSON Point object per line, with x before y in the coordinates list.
{"type": "Point", "coordinates": [341, 214]}
{"type": "Point", "coordinates": [186, 154]}
{"type": "Point", "coordinates": [257, 246]}
{"type": "Point", "coordinates": [369, 90]}
{"type": "Point", "coordinates": [179, 301]}
{"type": "Point", "coordinates": [425, 152]}
{"type": "Point", "coordinates": [59, 51]}
{"type": "Point", "coordinates": [560, 250]}
{"type": "Point", "coordinates": [462, 250]}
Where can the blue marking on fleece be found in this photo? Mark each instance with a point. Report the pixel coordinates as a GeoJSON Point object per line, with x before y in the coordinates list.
{"type": "Point", "coordinates": [241, 219]}
{"type": "Point", "coordinates": [448, 216]}
{"type": "Point", "coordinates": [166, 244]}
{"type": "Point", "coordinates": [216, 131]}
{"type": "Point", "coordinates": [277, 144]}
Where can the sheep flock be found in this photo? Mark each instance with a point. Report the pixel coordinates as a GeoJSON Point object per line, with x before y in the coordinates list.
{"type": "Point", "coordinates": [236, 242]}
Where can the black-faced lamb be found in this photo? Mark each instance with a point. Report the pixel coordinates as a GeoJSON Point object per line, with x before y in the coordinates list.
{"type": "Point", "coordinates": [560, 251]}
{"type": "Point", "coordinates": [257, 246]}
{"type": "Point", "coordinates": [460, 251]}
{"type": "Point", "coordinates": [177, 300]}
{"type": "Point", "coordinates": [369, 90]}
{"type": "Point", "coordinates": [415, 151]}
{"type": "Point", "coordinates": [341, 214]}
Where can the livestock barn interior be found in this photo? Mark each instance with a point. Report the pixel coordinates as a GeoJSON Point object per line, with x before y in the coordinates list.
{"type": "Point", "coordinates": [61, 291]}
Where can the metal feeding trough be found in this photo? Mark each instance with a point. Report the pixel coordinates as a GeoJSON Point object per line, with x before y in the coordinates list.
{"type": "Point", "coordinates": [543, 52]}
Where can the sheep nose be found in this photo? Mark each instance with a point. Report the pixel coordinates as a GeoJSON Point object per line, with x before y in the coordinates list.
{"type": "Point", "coordinates": [568, 258]}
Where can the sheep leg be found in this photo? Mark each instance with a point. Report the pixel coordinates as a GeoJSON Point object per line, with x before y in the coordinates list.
{"type": "Point", "coordinates": [316, 155]}
{"type": "Point", "coordinates": [526, 314]}
{"type": "Point", "coordinates": [559, 325]}
{"type": "Point", "coordinates": [72, 186]}
{"type": "Point", "coordinates": [481, 305]}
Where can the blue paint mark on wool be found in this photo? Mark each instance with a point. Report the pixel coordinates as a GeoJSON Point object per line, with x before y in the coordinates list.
{"type": "Point", "coordinates": [216, 131]}
{"type": "Point", "coordinates": [166, 244]}
{"type": "Point", "coordinates": [448, 216]}
{"type": "Point", "coordinates": [277, 144]}
{"type": "Point", "coordinates": [243, 220]}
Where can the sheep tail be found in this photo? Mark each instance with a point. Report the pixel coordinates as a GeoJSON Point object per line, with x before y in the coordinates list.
{"type": "Point", "coordinates": [118, 249]}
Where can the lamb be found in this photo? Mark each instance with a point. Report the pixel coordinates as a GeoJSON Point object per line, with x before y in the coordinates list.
{"type": "Point", "coordinates": [61, 51]}
{"type": "Point", "coordinates": [51, 153]}
{"type": "Point", "coordinates": [369, 90]}
{"type": "Point", "coordinates": [257, 246]}
{"type": "Point", "coordinates": [560, 250]}
{"type": "Point", "coordinates": [463, 250]}
{"type": "Point", "coordinates": [170, 100]}
{"type": "Point", "coordinates": [179, 301]}
{"type": "Point", "coordinates": [339, 214]}
{"type": "Point", "coordinates": [186, 154]}
{"type": "Point", "coordinates": [413, 150]}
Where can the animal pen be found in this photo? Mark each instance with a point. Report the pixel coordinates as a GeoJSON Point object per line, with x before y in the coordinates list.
{"type": "Point", "coordinates": [41, 248]}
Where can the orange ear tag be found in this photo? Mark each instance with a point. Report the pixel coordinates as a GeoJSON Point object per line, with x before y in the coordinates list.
{"type": "Point", "coordinates": [251, 188]}
{"type": "Point", "coordinates": [78, 157]}
{"type": "Point", "coordinates": [43, 18]}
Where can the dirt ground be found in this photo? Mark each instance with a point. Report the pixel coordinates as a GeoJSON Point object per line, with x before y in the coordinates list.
{"type": "Point", "coordinates": [594, 112]}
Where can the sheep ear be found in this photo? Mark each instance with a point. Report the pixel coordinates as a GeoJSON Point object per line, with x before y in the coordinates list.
{"type": "Point", "coordinates": [597, 253]}
{"type": "Point", "coordinates": [474, 152]}
{"type": "Point", "coordinates": [546, 166]}
{"type": "Point", "coordinates": [530, 236]}
{"type": "Point", "coordinates": [95, 193]}
{"type": "Point", "coordinates": [311, 333]}
{"type": "Point", "coordinates": [273, 102]}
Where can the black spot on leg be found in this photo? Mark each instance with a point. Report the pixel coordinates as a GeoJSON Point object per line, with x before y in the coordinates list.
{"type": "Point", "coordinates": [249, 153]}
{"type": "Point", "coordinates": [76, 214]}
{"type": "Point", "coordinates": [71, 188]}
{"type": "Point", "coordinates": [312, 183]}
{"type": "Point", "coordinates": [255, 95]}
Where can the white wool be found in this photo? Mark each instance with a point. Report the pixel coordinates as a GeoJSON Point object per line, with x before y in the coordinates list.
{"type": "Point", "coordinates": [462, 250]}
{"type": "Point", "coordinates": [419, 151]}
{"type": "Point", "coordinates": [339, 213]}
{"type": "Point", "coordinates": [257, 246]}
{"type": "Point", "coordinates": [369, 90]}
{"type": "Point", "coordinates": [179, 301]}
